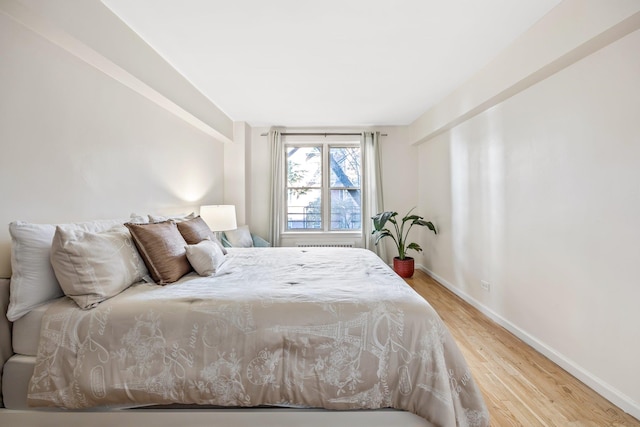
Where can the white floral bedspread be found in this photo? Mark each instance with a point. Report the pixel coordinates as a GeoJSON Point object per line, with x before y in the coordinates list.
{"type": "Point", "coordinates": [331, 328]}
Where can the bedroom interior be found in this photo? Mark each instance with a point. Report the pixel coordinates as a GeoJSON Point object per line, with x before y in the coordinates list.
{"type": "Point", "coordinates": [529, 167]}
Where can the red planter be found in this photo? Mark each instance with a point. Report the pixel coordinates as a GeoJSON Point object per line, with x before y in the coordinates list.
{"type": "Point", "coordinates": [404, 267]}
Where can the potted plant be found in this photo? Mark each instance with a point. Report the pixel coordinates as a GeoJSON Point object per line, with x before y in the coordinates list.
{"type": "Point", "coordinates": [402, 264]}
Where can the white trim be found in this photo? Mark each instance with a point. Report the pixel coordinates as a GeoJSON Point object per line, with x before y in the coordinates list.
{"type": "Point", "coordinates": [610, 393]}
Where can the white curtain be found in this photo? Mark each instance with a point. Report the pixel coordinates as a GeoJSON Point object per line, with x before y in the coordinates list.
{"type": "Point", "coordinates": [372, 194]}
{"type": "Point", "coordinates": [276, 211]}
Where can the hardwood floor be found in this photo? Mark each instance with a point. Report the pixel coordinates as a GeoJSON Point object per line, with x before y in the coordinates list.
{"type": "Point", "coordinates": [521, 387]}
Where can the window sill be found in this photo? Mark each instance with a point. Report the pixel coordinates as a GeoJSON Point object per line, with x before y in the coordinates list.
{"type": "Point", "coordinates": [322, 233]}
{"type": "Point", "coordinates": [322, 238]}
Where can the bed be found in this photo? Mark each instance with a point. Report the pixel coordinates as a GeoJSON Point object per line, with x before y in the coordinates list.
{"type": "Point", "coordinates": [299, 329]}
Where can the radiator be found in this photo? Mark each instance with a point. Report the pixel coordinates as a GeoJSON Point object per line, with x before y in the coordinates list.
{"type": "Point", "coordinates": [325, 245]}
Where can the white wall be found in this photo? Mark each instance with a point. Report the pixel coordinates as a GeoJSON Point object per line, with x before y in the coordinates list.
{"type": "Point", "coordinates": [89, 30]}
{"type": "Point", "coordinates": [236, 172]}
{"type": "Point", "coordinates": [76, 144]}
{"type": "Point", "coordinates": [540, 196]}
{"type": "Point", "coordinates": [399, 178]}
{"type": "Point", "coordinates": [260, 171]}
{"type": "Point", "coordinates": [570, 31]}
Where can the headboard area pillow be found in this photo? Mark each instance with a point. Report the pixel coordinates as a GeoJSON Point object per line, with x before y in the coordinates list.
{"type": "Point", "coordinates": [196, 230]}
{"type": "Point", "coordinates": [240, 237]}
{"type": "Point", "coordinates": [162, 248]}
{"type": "Point", "coordinates": [205, 257]}
{"type": "Point", "coordinates": [92, 267]}
{"type": "Point", "coordinates": [174, 218]}
{"type": "Point", "coordinates": [33, 281]}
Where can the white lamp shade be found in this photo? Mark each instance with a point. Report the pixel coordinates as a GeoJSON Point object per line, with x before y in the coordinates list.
{"type": "Point", "coordinates": [219, 217]}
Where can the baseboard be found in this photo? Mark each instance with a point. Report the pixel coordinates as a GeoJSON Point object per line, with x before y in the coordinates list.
{"type": "Point", "coordinates": [610, 393]}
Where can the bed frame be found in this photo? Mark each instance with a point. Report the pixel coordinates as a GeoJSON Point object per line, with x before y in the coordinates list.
{"type": "Point", "coordinates": [192, 416]}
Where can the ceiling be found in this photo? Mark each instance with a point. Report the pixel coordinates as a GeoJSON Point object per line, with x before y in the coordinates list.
{"type": "Point", "coordinates": [330, 62]}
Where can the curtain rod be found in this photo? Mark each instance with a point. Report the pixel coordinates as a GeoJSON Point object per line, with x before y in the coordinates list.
{"type": "Point", "coordinates": [320, 134]}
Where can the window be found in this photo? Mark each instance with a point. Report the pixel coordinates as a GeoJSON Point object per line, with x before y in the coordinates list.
{"type": "Point", "coordinates": [323, 186]}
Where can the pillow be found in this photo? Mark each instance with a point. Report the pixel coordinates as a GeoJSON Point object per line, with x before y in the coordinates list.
{"type": "Point", "coordinates": [33, 281]}
{"type": "Point", "coordinates": [175, 218]}
{"type": "Point", "coordinates": [135, 218]}
{"type": "Point", "coordinates": [196, 230]}
{"type": "Point", "coordinates": [92, 267]}
{"type": "Point", "coordinates": [240, 237]}
{"type": "Point", "coordinates": [205, 257]}
{"type": "Point", "coordinates": [162, 248]}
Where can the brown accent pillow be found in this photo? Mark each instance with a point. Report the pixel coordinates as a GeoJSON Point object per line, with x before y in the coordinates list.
{"type": "Point", "coordinates": [196, 230]}
{"type": "Point", "coordinates": [162, 248]}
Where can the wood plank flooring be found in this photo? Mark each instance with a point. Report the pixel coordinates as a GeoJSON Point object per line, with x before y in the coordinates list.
{"type": "Point", "coordinates": [521, 386]}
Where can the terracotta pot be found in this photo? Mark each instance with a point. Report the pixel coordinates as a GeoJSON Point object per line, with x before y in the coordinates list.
{"type": "Point", "coordinates": [404, 267]}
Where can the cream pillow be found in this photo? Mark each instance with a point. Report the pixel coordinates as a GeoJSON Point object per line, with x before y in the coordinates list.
{"type": "Point", "coordinates": [33, 281]}
{"type": "Point", "coordinates": [205, 257]}
{"type": "Point", "coordinates": [92, 267]}
{"type": "Point", "coordinates": [162, 248]}
{"type": "Point", "coordinates": [240, 237]}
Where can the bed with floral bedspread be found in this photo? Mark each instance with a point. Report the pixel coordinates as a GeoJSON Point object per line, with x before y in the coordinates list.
{"type": "Point", "coordinates": [295, 327]}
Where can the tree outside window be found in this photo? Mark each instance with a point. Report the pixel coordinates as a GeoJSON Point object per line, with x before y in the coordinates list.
{"type": "Point", "coordinates": [323, 187]}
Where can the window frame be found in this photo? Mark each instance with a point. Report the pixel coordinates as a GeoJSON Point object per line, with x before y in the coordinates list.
{"type": "Point", "coordinates": [325, 144]}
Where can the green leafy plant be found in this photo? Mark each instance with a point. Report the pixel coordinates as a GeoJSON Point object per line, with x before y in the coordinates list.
{"type": "Point", "coordinates": [400, 231]}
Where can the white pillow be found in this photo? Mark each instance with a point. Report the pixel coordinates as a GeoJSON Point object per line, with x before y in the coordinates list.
{"type": "Point", "coordinates": [205, 257]}
{"type": "Point", "coordinates": [92, 267]}
{"type": "Point", "coordinates": [175, 218]}
{"type": "Point", "coordinates": [240, 237]}
{"type": "Point", "coordinates": [135, 218]}
{"type": "Point", "coordinates": [33, 281]}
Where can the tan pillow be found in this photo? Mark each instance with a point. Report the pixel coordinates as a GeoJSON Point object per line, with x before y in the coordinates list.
{"type": "Point", "coordinates": [205, 257]}
{"type": "Point", "coordinates": [162, 248]}
{"type": "Point", "coordinates": [196, 230]}
{"type": "Point", "coordinates": [33, 281]}
{"type": "Point", "coordinates": [92, 267]}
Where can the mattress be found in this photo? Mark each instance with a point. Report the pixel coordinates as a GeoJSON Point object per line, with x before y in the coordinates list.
{"type": "Point", "coordinates": [26, 331]}
{"type": "Point", "coordinates": [19, 368]}
{"type": "Point", "coordinates": [15, 380]}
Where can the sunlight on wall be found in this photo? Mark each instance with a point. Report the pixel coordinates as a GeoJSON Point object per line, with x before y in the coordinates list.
{"type": "Point", "coordinates": [477, 203]}
{"type": "Point", "coordinates": [459, 205]}
{"type": "Point", "coordinates": [185, 180]}
{"type": "Point", "coordinates": [193, 186]}
{"type": "Point", "coordinates": [494, 187]}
